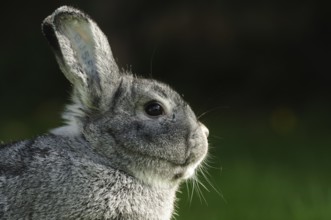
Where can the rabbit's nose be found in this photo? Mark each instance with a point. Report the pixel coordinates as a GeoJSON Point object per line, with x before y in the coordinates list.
{"type": "Point", "coordinates": [204, 129]}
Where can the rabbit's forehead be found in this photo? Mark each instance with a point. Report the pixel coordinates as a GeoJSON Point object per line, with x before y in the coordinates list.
{"type": "Point", "coordinates": [157, 90]}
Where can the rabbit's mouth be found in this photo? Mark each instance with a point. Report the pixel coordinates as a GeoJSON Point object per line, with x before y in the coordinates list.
{"type": "Point", "coordinates": [189, 170]}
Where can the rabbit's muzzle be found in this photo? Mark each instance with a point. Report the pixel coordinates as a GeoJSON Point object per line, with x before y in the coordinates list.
{"type": "Point", "coordinates": [197, 149]}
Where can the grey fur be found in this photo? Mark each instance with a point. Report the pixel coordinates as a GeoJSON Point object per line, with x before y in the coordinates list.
{"type": "Point", "coordinates": [112, 160]}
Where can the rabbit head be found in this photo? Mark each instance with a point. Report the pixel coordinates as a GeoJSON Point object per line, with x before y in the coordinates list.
{"type": "Point", "coordinates": [142, 126]}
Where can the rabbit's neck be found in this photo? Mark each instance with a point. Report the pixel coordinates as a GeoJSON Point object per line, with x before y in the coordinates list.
{"type": "Point", "coordinates": [120, 193]}
{"type": "Point", "coordinates": [146, 202]}
{"type": "Point", "coordinates": [125, 196]}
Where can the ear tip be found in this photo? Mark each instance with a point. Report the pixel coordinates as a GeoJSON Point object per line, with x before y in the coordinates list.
{"type": "Point", "coordinates": [63, 12]}
{"type": "Point", "coordinates": [52, 23]}
{"type": "Point", "coordinates": [65, 8]}
{"type": "Point", "coordinates": [68, 10]}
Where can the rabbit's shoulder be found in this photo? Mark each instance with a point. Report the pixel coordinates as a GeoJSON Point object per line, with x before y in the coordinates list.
{"type": "Point", "coordinates": [70, 180]}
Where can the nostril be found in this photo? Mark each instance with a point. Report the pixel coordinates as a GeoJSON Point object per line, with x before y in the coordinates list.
{"type": "Point", "coordinates": [205, 130]}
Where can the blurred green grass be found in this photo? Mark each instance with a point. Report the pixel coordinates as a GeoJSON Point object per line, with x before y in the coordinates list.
{"type": "Point", "coordinates": [252, 192]}
{"type": "Point", "coordinates": [263, 173]}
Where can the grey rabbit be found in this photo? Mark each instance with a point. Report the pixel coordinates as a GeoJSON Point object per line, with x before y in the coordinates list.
{"type": "Point", "coordinates": [127, 144]}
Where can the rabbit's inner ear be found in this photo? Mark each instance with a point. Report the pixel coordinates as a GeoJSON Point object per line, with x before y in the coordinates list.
{"type": "Point", "coordinates": [79, 33]}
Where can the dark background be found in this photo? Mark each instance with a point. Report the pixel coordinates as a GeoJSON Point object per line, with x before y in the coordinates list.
{"type": "Point", "coordinates": [260, 69]}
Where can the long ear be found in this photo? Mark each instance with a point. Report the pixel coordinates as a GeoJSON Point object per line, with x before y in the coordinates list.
{"type": "Point", "coordinates": [83, 54]}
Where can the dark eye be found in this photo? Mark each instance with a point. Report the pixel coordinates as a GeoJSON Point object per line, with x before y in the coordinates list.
{"type": "Point", "coordinates": [154, 108]}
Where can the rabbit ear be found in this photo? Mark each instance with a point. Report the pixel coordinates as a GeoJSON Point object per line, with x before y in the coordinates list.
{"type": "Point", "coordinates": [83, 53]}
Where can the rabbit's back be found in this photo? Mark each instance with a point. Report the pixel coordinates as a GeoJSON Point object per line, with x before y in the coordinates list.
{"type": "Point", "coordinates": [60, 177]}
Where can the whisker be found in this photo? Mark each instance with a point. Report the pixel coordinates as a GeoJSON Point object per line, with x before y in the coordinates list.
{"type": "Point", "coordinates": [203, 185]}
{"type": "Point", "coordinates": [211, 110]}
{"type": "Point", "coordinates": [152, 59]}
{"type": "Point", "coordinates": [216, 137]}
{"type": "Point", "coordinates": [188, 191]}
{"type": "Point", "coordinates": [199, 192]}
{"type": "Point", "coordinates": [206, 176]}
{"type": "Point", "coordinates": [203, 181]}
{"type": "Point", "coordinates": [210, 183]}
{"type": "Point", "coordinates": [193, 188]}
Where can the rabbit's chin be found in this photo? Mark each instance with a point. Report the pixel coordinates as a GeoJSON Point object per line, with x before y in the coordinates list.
{"type": "Point", "coordinates": [190, 171]}
{"type": "Point", "coordinates": [171, 178]}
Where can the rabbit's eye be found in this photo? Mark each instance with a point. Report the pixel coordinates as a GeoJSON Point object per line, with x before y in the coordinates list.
{"type": "Point", "coordinates": [154, 108]}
